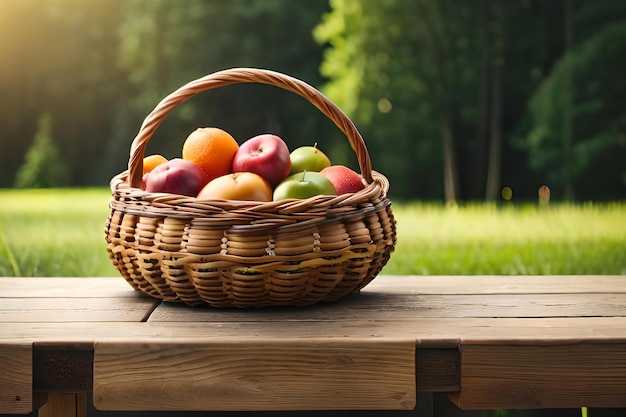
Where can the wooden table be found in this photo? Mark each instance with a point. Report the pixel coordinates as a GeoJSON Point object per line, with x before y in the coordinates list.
{"type": "Point", "coordinates": [490, 342]}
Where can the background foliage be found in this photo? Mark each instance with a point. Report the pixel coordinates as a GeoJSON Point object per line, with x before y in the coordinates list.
{"type": "Point", "coordinates": [454, 99]}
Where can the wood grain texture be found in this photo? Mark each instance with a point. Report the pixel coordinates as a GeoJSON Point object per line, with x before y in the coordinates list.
{"type": "Point", "coordinates": [65, 287]}
{"type": "Point", "coordinates": [440, 332]}
{"type": "Point", "coordinates": [524, 342]}
{"type": "Point", "coordinates": [405, 284]}
{"type": "Point", "coordinates": [498, 284]}
{"type": "Point", "coordinates": [64, 405]}
{"type": "Point", "coordinates": [109, 309]}
{"type": "Point", "coordinates": [556, 375]}
{"type": "Point", "coordinates": [244, 375]}
{"type": "Point", "coordinates": [383, 306]}
{"type": "Point", "coordinates": [16, 377]}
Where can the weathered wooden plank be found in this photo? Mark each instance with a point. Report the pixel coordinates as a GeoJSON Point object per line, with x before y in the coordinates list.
{"type": "Point", "coordinates": [389, 306]}
{"type": "Point", "coordinates": [498, 284]}
{"type": "Point", "coordinates": [521, 337]}
{"type": "Point", "coordinates": [66, 368]}
{"type": "Point", "coordinates": [552, 375]}
{"type": "Point", "coordinates": [413, 284]}
{"type": "Point", "coordinates": [37, 310]}
{"type": "Point", "coordinates": [264, 374]}
{"type": "Point", "coordinates": [16, 395]}
{"type": "Point", "coordinates": [439, 332]}
{"type": "Point", "coordinates": [38, 287]}
{"type": "Point", "coordinates": [434, 372]}
{"type": "Point", "coordinates": [69, 368]}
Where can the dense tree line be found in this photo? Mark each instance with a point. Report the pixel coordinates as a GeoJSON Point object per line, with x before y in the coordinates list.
{"type": "Point", "coordinates": [454, 99]}
{"type": "Point", "coordinates": [515, 93]}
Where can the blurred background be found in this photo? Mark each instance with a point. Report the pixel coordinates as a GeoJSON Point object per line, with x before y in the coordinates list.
{"type": "Point", "coordinates": [456, 100]}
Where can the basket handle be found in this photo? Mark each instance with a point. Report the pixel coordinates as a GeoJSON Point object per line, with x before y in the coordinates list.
{"type": "Point", "coordinates": [237, 76]}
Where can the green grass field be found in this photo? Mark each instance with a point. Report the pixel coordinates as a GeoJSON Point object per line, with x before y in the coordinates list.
{"type": "Point", "coordinates": [52, 232]}
{"type": "Point", "coordinates": [510, 240]}
{"type": "Point", "coordinates": [61, 233]}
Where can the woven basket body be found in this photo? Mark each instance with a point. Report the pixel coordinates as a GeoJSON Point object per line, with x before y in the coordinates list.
{"type": "Point", "coordinates": [248, 254]}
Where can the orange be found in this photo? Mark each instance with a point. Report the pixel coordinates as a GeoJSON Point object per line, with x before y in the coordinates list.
{"type": "Point", "coordinates": [152, 161]}
{"type": "Point", "coordinates": [212, 149]}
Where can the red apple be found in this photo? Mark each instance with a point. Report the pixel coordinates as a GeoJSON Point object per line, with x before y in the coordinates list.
{"type": "Point", "coordinates": [344, 179]}
{"type": "Point", "coordinates": [266, 155]}
{"type": "Point", "coordinates": [246, 186]}
{"type": "Point", "coordinates": [176, 176]}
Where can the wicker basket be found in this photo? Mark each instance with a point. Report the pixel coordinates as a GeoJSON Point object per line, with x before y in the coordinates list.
{"type": "Point", "coordinates": [248, 254]}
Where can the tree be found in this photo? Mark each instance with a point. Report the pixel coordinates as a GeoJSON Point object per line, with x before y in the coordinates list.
{"type": "Point", "coordinates": [588, 83]}
{"type": "Point", "coordinates": [100, 67]}
{"type": "Point", "coordinates": [43, 166]}
{"type": "Point", "coordinates": [457, 78]}
{"type": "Point", "coordinates": [165, 46]}
{"type": "Point", "coordinates": [63, 63]}
{"type": "Point", "coordinates": [395, 68]}
{"type": "Point", "coordinates": [453, 98]}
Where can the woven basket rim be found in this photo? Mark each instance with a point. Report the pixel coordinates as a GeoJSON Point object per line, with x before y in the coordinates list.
{"type": "Point", "coordinates": [372, 191]}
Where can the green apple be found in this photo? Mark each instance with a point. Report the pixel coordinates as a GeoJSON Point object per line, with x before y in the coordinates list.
{"type": "Point", "coordinates": [308, 158]}
{"type": "Point", "coordinates": [303, 185]}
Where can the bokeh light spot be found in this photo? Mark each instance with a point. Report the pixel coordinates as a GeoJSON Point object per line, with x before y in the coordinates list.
{"type": "Point", "coordinates": [506, 193]}
{"type": "Point", "coordinates": [384, 105]}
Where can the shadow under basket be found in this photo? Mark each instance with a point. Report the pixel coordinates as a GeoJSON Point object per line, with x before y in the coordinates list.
{"type": "Point", "coordinates": [226, 253]}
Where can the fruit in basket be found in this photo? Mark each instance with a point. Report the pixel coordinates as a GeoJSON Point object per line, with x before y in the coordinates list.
{"type": "Point", "coordinates": [176, 176]}
{"type": "Point", "coordinates": [308, 158]}
{"type": "Point", "coordinates": [152, 161]}
{"type": "Point", "coordinates": [303, 185]}
{"type": "Point", "coordinates": [266, 155]}
{"type": "Point", "coordinates": [246, 186]}
{"type": "Point", "coordinates": [344, 179]}
{"type": "Point", "coordinates": [212, 149]}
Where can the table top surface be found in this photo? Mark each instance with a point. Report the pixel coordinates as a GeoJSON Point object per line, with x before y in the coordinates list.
{"type": "Point", "coordinates": [434, 310]}
{"type": "Point", "coordinates": [528, 330]}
